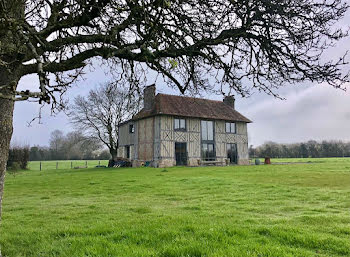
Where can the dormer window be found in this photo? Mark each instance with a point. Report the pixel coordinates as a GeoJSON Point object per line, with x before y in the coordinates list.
{"type": "Point", "coordinates": [179, 124]}
{"type": "Point", "coordinates": [131, 128]}
{"type": "Point", "coordinates": [231, 127]}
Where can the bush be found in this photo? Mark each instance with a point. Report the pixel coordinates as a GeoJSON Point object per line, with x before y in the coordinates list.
{"type": "Point", "coordinates": [14, 166]}
{"type": "Point", "coordinates": [18, 158]}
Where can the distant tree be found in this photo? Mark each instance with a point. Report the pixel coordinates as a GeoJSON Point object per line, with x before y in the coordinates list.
{"type": "Point", "coordinates": [313, 148]}
{"type": "Point", "coordinates": [270, 149]}
{"type": "Point", "coordinates": [73, 146]}
{"type": "Point", "coordinates": [45, 153]}
{"type": "Point", "coordinates": [347, 150]}
{"type": "Point", "coordinates": [99, 114]}
{"type": "Point", "coordinates": [104, 155]}
{"type": "Point", "coordinates": [34, 154]}
{"type": "Point", "coordinates": [304, 152]}
{"type": "Point", "coordinates": [325, 149]}
{"type": "Point", "coordinates": [57, 144]}
{"type": "Point", "coordinates": [90, 148]}
{"type": "Point", "coordinates": [336, 148]}
{"type": "Point", "coordinates": [73, 150]}
{"type": "Point", "coordinates": [252, 152]}
{"type": "Point", "coordinates": [79, 147]}
{"type": "Point", "coordinates": [284, 151]}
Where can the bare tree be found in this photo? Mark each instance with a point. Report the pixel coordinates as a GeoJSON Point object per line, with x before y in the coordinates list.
{"type": "Point", "coordinates": [263, 43]}
{"type": "Point", "coordinates": [72, 145]}
{"type": "Point", "coordinates": [78, 146]}
{"type": "Point", "coordinates": [100, 113]}
{"type": "Point", "coordinates": [56, 144]}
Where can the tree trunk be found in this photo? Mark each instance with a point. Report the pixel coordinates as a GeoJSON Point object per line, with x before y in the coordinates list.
{"type": "Point", "coordinates": [6, 125]}
{"type": "Point", "coordinates": [6, 129]}
{"type": "Point", "coordinates": [114, 153]}
{"type": "Point", "coordinates": [9, 76]}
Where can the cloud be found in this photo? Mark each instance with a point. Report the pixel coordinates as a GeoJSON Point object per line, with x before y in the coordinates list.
{"type": "Point", "coordinates": [319, 112]}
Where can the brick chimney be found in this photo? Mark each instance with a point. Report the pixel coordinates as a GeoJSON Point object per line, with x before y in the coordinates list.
{"type": "Point", "coordinates": [149, 94]}
{"type": "Point", "coordinates": [230, 100]}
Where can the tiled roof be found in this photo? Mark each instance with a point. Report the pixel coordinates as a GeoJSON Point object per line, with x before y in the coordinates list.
{"type": "Point", "coordinates": [191, 107]}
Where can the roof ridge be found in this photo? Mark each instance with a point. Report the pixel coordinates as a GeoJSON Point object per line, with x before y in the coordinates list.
{"type": "Point", "coordinates": [190, 97]}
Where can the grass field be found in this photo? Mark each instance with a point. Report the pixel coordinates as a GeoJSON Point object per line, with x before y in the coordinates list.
{"type": "Point", "coordinates": [265, 210]}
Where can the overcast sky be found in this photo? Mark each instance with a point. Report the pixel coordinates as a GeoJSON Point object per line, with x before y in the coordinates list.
{"type": "Point", "coordinates": [316, 112]}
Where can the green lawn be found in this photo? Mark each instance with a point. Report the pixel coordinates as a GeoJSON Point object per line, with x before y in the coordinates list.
{"type": "Point", "coordinates": [265, 210]}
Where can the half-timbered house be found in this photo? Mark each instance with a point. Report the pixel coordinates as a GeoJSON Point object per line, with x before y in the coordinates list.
{"type": "Point", "coordinates": [177, 130]}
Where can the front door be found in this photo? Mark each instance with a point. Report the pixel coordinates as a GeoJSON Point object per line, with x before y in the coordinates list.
{"type": "Point", "coordinates": [127, 149]}
{"type": "Point", "coordinates": [181, 154]}
{"type": "Point", "coordinates": [232, 153]}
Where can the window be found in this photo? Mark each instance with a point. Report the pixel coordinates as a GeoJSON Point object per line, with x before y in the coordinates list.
{"type": "Point", "coordinates": [131, 128]}
{"type": "Point", "coordinates": [231, 127]}
{"type": "Point", "coordinates": [207, 128]}
{"type": "Point", "coordinates": [207, 135]}
{"type": "Point", "coordinates": [179, 124]}
{"type": "Point", "coordinates": [232, 152]}
{"type": "Point", "coordinates": [208, 152]}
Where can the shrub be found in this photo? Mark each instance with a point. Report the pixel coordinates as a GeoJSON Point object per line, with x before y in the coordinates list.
{"type": "Point", "coordinates": [15, 166]}
{"type": "Point", "coordinates": [18, 158]}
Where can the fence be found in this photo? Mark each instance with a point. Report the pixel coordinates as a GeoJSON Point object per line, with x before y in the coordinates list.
{"type": "Point", "coordinates": [73, 164]}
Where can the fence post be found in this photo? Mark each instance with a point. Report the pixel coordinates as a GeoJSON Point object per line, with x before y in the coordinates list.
{"type": "Point", "coordinates": [85, 164]}
{"type": "Point", "coordinates": [56, 165]}
{"type": "Point", "coordinates": [71, 165]}
{"type": "Point", "coordinates": [99, 163]}
{"type": "Point", "coordinates": [40, 165]}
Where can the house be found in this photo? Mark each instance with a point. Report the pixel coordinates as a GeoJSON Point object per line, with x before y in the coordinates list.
{"type": "Point", "coordinates": [177, 130]}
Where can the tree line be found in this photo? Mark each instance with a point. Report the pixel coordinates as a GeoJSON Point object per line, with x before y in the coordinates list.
{"type": "Point", "coordinates": [70, 146]}
{"type": "Point", "coordinates": [309, 149]}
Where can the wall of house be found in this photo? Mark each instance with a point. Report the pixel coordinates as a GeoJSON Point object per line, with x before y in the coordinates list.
{"type": "Point", "coordinates": [154, 140]}
{"type": "Point", "coordinates": [141, 142]}
{"type": "Point", "coordinates": [127, 139]}
{"type": "Point", "coordinates": [192, 137]}
{"type": "Point", "coordinates": [157, 140]}
{"type": "Point", "coordinates": [240, 138]}
{"type": "Point", "coordinates": [145, 140]}
{"type": "Point", "coordinates": [168, 137]}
